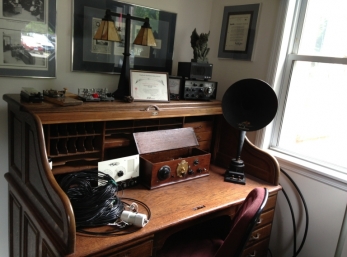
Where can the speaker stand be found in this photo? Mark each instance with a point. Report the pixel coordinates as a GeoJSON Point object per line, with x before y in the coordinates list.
{"type": "Point", "coordinates": [235, 173]}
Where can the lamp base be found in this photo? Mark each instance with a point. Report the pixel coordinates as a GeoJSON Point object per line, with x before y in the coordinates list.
{"type": "Point", "coordinates": [235, 173]}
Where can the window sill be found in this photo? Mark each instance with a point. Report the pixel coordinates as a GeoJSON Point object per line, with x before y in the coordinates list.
{"type": "Point", "coordinates": [325, 175]}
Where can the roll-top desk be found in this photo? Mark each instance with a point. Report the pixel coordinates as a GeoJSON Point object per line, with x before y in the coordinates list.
{"type": "Point", "coordinates": [76, 138]}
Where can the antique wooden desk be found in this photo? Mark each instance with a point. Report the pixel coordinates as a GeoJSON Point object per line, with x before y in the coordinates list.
{"type": "Point", "coordinates": [41, 218]}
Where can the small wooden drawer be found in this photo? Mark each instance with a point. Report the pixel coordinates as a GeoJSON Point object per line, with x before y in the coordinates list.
{"type": "Point", "coordinates": [200, 126]}
{"type": "Point", "coordinates": [265, 218]}
{"type": "Point", "coordinates": [271, 203]}
{"type": "Point", "coordinates": [204, 145]}
{"type": "Point", "coordinates": [143, 250]}
{"type": "Point", "coordinates": [257, 250]}
{"type": "Point", "coordinates": [203, 136]}
{"type": "Point", "coordinates": [259, 234]}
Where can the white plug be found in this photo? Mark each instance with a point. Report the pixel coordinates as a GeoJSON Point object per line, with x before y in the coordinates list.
{"type": "Point", "coordinates": [137, 219]}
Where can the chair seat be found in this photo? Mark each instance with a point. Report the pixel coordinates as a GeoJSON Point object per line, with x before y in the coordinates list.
{"type": "Point", "coordinates": [197, 241]}
{"type": "Point", "coordinates": [219, 237]}
{"type": "Point", "coordinates": [191, 248]}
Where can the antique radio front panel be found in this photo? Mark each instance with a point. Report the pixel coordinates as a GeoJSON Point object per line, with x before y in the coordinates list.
{"type": "Point", "coordinates": [170, 156]}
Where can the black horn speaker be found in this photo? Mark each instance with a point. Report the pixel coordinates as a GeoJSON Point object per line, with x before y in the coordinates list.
{"type": "Point", "coordinates": [247, 105]}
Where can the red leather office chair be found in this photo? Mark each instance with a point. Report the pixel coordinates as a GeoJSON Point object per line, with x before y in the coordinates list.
{"type": "Point", "coordinates": [220, 237]}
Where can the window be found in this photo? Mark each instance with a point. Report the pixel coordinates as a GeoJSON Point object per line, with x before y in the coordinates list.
{"type": "Point", "coordinates": [311, 83]}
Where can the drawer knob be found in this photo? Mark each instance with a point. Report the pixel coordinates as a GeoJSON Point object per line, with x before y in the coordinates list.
{"type": "Point", "coordinates": [255, 237]}
{"type": "Point", "coordinates": [259, 221]}
{"type": "Point", "coordinates": [252, 254]}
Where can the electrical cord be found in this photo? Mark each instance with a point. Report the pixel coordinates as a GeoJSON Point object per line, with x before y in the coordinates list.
{"type": "Point", "coordinates": [93, 196]}
{"type": "Point", "coordinates": [295, 251]}
{"type": "Point", "coordinates": [117, 231]}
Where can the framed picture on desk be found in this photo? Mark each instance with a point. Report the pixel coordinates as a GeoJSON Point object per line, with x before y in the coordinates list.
{"type": "Point", "coordinates": [149, 86]}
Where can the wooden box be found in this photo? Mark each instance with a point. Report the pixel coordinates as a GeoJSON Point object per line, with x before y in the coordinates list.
{"type": "Point", "coordinates": [170, 156]}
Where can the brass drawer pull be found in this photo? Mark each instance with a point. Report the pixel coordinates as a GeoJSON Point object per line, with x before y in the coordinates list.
{"type": "Point", "coordinates": [252, 254]}
{"type": "Point", "coordinates": [255, 237]}
{"type": "Point", "coordinates": [259, 221]}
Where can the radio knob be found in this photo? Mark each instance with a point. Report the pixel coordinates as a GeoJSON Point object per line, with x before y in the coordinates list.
{"type": "Point", "coordinates": [201, 85]}
{"type": "Point", "coordinates": [208, 90]}
{"type": "Point", "coordinates": [195, 85]}
{"type": "Point", "coordinates": [199, 170]}
{"type": "Point", "coordinates": [190, 172]}
{"type": "Point", "coordinates": [120, 173]}
{"type": "Point", "coordinates": [164, 172]}
{"type": "Point", "coordinates": [196, 162]}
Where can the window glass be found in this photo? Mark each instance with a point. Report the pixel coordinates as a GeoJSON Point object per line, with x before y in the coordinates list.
{"type": "Point", "coordinates": [324, 29]}
{"type": "Point", "coordinates": [315, 120]}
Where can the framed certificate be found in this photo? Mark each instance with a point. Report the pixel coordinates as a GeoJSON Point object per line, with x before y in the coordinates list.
{"type": "Point", "coordinates": [149, 86]}
{"type": "Point", "coordinates": [238, 31]}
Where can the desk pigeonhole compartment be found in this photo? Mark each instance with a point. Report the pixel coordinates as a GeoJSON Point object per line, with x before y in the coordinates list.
{"type": "Point", "coordinates": [170, 156]}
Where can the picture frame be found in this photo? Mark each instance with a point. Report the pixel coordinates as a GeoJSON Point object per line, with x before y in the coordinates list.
{"type": "Point", "coordinates": [238, 31]}
{"type": "Point", "coordinates": [28, 38]}
{"type": "Point", "coordinates": [175, 87]}
{"type": "Point", "coordinates": [149, 86]}
{"type": "Point", "coordinates": [89, 55]}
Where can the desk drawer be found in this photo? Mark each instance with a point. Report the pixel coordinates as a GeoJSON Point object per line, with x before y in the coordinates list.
{"type": "Point", "coordinates": [257, 250]}
{"type": "Point", "coordinates": [143, 250]}
{"type": "Point", "coordinates": [259, 234]}
{"type": "Point", "coordinates": [271, 203]}
{"type": "Point", "coordinates": [200, 126]}
{"type": "Point", "coordinates": [265, 218]}
{"type": "Point", "coordinates": [203, 136]}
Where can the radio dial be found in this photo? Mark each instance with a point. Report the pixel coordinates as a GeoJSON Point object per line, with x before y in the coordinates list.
{"type": "Point", "coordinates": [208, 91]}
{"type": "Point", "coordinates": [120, 173]}
{"type": "Point", "coordinates": [164, 172]}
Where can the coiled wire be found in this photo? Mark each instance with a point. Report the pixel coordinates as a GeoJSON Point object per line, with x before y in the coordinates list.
{"type": "Point", "coordinates": [93, 196]}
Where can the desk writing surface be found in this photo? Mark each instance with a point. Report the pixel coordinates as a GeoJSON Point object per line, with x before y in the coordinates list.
{"type": "Point", "coordinates": [176, 204]}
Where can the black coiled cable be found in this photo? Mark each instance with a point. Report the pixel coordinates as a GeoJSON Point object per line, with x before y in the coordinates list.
{"type": "Point", "coordinates": [93, 197]}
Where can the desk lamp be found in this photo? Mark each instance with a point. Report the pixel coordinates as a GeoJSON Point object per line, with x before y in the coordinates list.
{"type": "Point", "coordinates": [108, 32]}
{"type": "Point", "coordinates": [247, 105]}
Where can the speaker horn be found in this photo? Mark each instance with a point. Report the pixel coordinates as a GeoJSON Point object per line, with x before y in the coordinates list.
{"type": "Point", "coordinates": [247, 105]}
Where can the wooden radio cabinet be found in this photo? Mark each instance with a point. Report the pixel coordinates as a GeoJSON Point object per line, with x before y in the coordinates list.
{"type": "Point", "coordinates": [76, 138]}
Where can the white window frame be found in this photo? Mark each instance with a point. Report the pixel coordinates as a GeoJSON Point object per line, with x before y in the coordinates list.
{"type": "Point", "coordinates": [286, 45]}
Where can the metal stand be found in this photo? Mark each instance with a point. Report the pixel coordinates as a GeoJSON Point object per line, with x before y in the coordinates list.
{"type": "Point", "coordinates": [235, 173]}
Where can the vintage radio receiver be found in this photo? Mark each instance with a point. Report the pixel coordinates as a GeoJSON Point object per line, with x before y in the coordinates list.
{"type": "Point", "coordinates": [200, 90]}
{"type": "Point", "coordinates": [170, 156]}
{"type": "Point", "coordinates": [125, 171]}
{"type": "Point", "coordinates": [195, 70]}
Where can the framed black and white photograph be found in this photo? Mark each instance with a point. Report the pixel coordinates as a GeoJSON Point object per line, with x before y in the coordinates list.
{"type": "Point", "coordinates": [149, 86]}
{"type": "Point", "coordinates": [90, 55]}
{"type": "Point", "coordinates": [238, 31]}
{"type": "Point", "coordinates": [28, 38]}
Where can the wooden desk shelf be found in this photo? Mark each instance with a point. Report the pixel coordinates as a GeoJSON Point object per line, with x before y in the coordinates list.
{"type": "Point", "coordinates": [75, 138]}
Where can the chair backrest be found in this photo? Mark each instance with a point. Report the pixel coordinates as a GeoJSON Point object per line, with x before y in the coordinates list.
{"type": "Point", "coordinates": [243, 223]}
